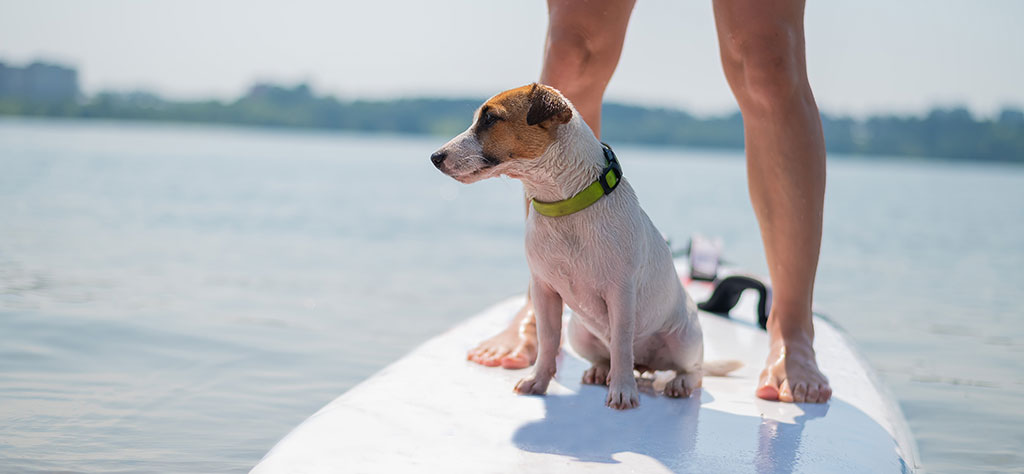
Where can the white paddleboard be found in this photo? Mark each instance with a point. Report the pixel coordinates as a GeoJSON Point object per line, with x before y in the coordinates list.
{"type": "Point", "coordinates": [433, 411]}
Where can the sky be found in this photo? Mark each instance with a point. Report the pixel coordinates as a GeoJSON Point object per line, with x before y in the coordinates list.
{"type": "Point", "coordinates": [864, 57]}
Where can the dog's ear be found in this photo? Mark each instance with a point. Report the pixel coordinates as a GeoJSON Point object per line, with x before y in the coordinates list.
{"type": "Point", "coordinates": [546, 105]}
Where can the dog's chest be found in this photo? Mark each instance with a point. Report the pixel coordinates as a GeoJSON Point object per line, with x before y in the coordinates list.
{"type": "Point", "coordinates": [558, 252]}
{"type": "Point", "coordinates": [573, 261]}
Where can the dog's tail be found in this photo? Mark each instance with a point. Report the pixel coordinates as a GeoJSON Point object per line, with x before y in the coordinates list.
{"type": "Point", "coordinates": [720, 368]}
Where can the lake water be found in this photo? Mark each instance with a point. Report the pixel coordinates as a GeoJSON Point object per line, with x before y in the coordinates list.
{"type": "Point", "coordinates": [176, 298]}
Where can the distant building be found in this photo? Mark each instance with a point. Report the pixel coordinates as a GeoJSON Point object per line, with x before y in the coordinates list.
{"type": "Point", "coordinates": [39, 82]}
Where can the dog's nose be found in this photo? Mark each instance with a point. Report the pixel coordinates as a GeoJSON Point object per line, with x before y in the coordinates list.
{"type": "Point", "coordinates": [438, 157]}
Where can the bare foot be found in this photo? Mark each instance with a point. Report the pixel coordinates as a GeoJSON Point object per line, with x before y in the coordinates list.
{"type": "Point", "coordinates": [791, 373]}
{"type": "Point", "coordinates": [515, 347]}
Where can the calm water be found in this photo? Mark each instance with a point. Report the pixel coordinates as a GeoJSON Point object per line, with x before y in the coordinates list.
{"type": "Point", "coordinates": [175, 298]}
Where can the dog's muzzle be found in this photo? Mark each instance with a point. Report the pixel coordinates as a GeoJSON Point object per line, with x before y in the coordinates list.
{"type": "Point", "coordinates": [438, 157]}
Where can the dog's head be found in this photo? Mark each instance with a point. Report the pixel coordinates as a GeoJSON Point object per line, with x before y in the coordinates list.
{"type": "Point", "coordinates": [512, 127]}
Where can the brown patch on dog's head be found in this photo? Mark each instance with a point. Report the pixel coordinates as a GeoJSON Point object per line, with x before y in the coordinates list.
{"type": "Point", "coordinates": [520, 123]}
{"type": "Point", "coordinates": [546, 105]}
{"type": "Point", "coordinates": [514, 126]}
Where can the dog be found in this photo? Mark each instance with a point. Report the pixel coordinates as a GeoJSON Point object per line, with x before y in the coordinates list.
{"type": "Point", "coordinates": [599, 253]}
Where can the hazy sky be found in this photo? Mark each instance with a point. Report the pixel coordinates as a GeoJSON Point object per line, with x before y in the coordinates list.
{"type": "Point", "coordinates": [863, 56]}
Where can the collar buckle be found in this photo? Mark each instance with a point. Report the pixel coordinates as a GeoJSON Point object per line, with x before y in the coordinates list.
{"type": "Point", "coordinates": [614, 169]}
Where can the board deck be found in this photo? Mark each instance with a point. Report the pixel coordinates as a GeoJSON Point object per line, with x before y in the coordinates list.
{"type": "Point", "coordinates": [433, 411]}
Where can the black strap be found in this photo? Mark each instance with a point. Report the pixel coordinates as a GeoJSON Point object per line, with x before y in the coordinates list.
{"type": "Point", "coordinates": [727, 293]}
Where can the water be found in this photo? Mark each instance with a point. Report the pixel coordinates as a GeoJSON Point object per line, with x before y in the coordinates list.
{"type": "Point", "coordinates": [176, 298]}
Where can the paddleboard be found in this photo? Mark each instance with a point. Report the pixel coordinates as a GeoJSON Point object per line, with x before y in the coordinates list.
{"type": "Point", "coordinates": [434, 411]}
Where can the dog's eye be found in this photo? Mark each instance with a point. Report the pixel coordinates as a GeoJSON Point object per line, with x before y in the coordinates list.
{"type": "Point", "coordinates": [489, 119]}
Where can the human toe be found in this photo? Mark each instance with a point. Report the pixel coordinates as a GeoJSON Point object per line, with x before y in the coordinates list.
{"type": "Point", "coordinates": [785, 392]}
{"type": "Point", "coordinates": [768, 392]}
{"type": "Point", "coordinates": [813, 391]}
{"type": "Point", "coordinates": [477, 352]}
{"type": "Point", "coordinates": [824, 393]}
{"type": "Point", "coordinates": [800, 392]}
{"type": "Point", "coordinates": [491, 358]}
{"type": "Point", "coordinates": [769, 387]}
{"type": "Point", "coordinates": [514, 360]}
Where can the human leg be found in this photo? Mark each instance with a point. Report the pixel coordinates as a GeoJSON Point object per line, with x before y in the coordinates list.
{"type": "Point", "coordinates": [583, 44]}
{"type": "Point", "coordinates": [582, 49]}
{"type": "Point", "coordinates": [762, 49]}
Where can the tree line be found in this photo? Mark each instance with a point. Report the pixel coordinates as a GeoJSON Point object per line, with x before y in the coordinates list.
{"type": "Point", "coordinates": [949, 133]}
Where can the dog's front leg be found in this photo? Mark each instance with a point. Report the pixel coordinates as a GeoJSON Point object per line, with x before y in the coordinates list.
{"type": "Point", "coordinates": [622, 389]}
{"type": "Point", "coordinates": [548, 307]}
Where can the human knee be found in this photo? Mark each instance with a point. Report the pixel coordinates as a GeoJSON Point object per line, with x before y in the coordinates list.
{"type": "Point", "coordinates": [765, 69]}
{"type": "Point", "coordinates": [572, 52]}
{"type": "Point", "coordinates": [578, 56]}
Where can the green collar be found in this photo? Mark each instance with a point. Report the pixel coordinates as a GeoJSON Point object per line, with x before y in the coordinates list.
{"type": "Point", "coordinates": [606, 182]}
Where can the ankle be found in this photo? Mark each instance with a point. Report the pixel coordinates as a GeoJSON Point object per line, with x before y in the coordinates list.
{"type": "Point", "coordinates": [790, 329]}
{"type": "Point", "coordinates": [527, 328]}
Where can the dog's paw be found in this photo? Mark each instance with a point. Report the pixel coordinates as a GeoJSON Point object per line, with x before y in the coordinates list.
{"type": "Point", "coordinates": [623, 393]}
{"type": "Point", "coordinates": [682, 385]}
{"type": "Point", "coordinates": [532, 385]}
{"type": "Point", "coordinates": [596, 375]}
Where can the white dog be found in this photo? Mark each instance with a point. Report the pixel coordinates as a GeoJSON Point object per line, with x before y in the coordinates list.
{"type": "Point", "coordinates": [588, 245]}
